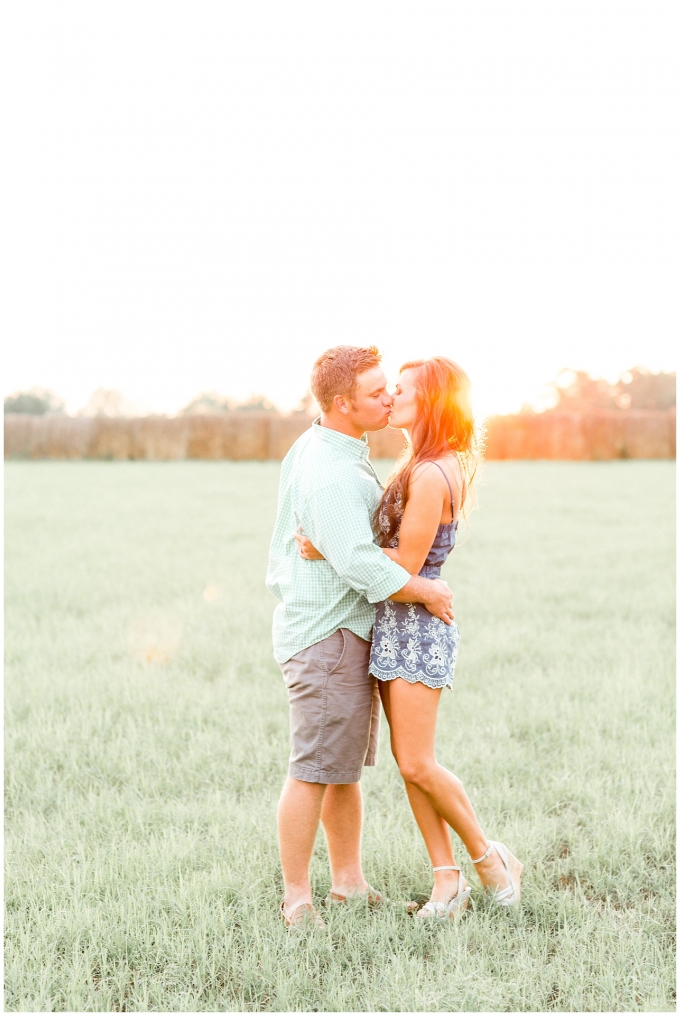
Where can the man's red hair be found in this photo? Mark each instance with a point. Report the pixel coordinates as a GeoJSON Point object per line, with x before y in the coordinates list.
{"type": "Point", "coordinates": [336, 372]}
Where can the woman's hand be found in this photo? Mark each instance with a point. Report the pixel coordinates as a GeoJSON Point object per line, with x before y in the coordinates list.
{"type": "Point", "coordinates": [306, 548]}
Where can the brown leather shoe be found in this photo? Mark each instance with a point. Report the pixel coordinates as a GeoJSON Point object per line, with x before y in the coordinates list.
{"type": "Point", "coordinates": [304, 916]}
{"type": "Point", "coordinates": [371, 895]}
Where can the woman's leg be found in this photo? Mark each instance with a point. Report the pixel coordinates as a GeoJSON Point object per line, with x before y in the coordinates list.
{"type": "Point", "coordinates": [413, 718]}
{"type": "Point", "coordinates": [434, 829]}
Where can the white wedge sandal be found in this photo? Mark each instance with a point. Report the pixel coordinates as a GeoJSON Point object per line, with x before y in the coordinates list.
{"type": "Point", "coordinates": [455, 907]}
{"type": "Point", "coordinates": [508, 897]}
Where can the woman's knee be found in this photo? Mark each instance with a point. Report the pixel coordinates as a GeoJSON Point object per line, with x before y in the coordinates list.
{"type": "Point", "coordinates": [420, 772]}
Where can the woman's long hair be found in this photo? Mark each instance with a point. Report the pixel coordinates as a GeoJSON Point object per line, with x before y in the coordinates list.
{"type": "Point", "coordinates": [444, 424]}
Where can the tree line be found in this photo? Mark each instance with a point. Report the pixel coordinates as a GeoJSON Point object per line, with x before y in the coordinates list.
{"type": "Point", "coordinates": [572, 391]}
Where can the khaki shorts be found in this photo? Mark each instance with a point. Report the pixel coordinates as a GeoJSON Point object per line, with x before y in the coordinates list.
{"type": "Point", "coordinates": [334, 710]}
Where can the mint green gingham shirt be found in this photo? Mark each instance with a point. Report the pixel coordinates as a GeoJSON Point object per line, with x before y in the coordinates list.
{"type": "Point", "coordinates": [329, 488]}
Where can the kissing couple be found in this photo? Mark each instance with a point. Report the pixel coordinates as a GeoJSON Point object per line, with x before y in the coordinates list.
{"type": "Point", "coordinates": [364, 617]}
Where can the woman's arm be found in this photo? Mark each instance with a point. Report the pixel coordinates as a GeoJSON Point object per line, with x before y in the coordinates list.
{"type": "Point", "coordinates": [427, 494]}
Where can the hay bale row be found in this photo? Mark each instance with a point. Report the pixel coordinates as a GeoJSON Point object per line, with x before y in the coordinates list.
{"type": "Point", "coordinates": [600, 434]}
{"type": "Point", "coordinates": [248, 435]}
{"type": "Point", "coordinates": [227, 436]}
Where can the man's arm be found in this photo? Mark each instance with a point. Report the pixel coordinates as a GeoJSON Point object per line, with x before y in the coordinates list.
{"type": "Point", "coordinates": [337, 522]}
{"type": "Point", "coordinates": [434, 594]}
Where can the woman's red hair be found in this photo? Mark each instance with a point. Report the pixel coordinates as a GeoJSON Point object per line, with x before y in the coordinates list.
{"type": "Point", "coordinates": [444, 424]}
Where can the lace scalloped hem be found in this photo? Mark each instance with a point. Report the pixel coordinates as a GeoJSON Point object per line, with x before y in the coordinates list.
{"type": "Point", "coordinates": [418, 678]}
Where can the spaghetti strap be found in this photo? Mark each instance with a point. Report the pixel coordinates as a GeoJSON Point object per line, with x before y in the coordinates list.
{"type": "Point", "coordinates": [447, 484]}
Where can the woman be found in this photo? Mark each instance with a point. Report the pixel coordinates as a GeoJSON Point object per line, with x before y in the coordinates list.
{"type": "Point", "coordinates": [413, 654]}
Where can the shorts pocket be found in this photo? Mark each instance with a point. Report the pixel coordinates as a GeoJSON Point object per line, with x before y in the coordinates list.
{"type": "Point", "coordinates": [333, 651]}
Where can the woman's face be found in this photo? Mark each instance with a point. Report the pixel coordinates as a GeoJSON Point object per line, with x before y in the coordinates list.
{"type": "Point", "coordinates": [405, 405]}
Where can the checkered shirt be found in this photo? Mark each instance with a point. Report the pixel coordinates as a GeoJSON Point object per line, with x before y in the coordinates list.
{"type": "Point", "coordinates": [329, 489]}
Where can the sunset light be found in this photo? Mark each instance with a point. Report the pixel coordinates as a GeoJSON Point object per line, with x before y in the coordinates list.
{"type": "Point", "coordinates": [444, 205]}
{"type": "Point", "coordinates": [339, 374]}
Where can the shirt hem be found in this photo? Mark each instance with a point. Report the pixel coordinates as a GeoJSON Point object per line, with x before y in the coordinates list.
{"type": "Point", "coordinates": [281, 658]}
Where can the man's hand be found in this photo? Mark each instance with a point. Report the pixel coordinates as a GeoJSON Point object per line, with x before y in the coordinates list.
{"type": "Point", "coordinates": [440, 602]}
{"type": "Point", "coordinates": [434, 594]}
{"type": "Point", "coordinates": [306, 548]}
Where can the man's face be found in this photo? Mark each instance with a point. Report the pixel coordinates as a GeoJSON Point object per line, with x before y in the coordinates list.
{"type": "Point", "coordinates": [369, 409]}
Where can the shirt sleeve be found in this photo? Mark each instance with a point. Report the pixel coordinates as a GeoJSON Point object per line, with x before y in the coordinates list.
{"type": "Point", "coordinates": [337, 521]}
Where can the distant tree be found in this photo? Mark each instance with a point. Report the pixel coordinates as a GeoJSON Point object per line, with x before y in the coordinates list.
{"type": "Point", "coordinates": [637, 388]}
{"type": "Point", "coordinates": [109, 403]}
{"type": "Point", "coordinates": [209, 403]}
{"type": "Point", "coordinates": [307, 405]}
{"type": "Point", "coordinates": [257, 404]}
{"type": "Point", "coordinates": [576, 390]}
{"type": "Point", "coordinates": [37, 401]}
{"type": "Point", "coordinates": [646, 390]}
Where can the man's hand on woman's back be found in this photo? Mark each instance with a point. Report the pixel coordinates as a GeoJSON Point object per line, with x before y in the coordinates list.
{"type": "Point", "coordinates": [434, 594]}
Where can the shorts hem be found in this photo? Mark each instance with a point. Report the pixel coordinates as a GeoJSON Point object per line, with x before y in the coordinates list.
{"type": "Point", "coordinates": [413, 679]}
{"type": "Point", "coordinates": [322, 775]}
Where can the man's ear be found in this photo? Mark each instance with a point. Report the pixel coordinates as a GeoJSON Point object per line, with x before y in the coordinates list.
{"type": "Point", "coordinates": [340, 403]}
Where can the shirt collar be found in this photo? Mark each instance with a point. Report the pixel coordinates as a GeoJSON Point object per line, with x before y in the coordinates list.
{"type": "Point", "coordinates": [357, 448]}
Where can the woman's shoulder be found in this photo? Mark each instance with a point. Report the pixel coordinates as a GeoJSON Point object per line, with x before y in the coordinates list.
{"type": "Point", "coordinates": [440, 477]}
{"type": "Point", "coordinates": [434, 471]}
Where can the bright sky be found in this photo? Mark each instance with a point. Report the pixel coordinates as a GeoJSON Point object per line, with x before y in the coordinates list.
{"type": "Point", "coordinates": [206, 195]}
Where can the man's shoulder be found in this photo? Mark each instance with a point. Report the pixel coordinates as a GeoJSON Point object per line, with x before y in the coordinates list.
{"type": "Point", "coordinates": [299, 444]}
{"type": "Point", "coordinates": [321, 465]}
{"type": "Point", "coordinates": [292, 459]}
{"type": "Point", "coordinates": [313, 464]}
{"type": "Point", "coordinates": [310, 455]}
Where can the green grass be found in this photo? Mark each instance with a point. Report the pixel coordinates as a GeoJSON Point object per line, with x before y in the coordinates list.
{"type": "Point", "coordinates": [142, 867]}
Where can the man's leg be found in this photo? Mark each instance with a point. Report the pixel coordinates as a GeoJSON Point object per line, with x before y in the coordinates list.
{"type": "Point", "coordinates": [331, 707]}
{"type": "Point", "coordinates": [353, 695]}
{"type": "Point", "coordinates": [341, 815]}
{"type": "Point", "coordinates": [298, 819]}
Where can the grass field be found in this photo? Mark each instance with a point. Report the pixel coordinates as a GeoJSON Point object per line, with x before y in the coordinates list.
{"type": "Point", "coordinates": [146, 743]}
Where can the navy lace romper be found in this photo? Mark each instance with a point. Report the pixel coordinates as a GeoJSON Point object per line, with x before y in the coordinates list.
{"type": "Point", "coordinates": [408, 641]}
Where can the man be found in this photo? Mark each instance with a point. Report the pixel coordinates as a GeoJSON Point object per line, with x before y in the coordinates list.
{"type": "Point", "coordinates": [322, 626]}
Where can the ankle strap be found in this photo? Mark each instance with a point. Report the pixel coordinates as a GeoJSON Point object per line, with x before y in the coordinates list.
{"type": "Point", "coordinates": [484, 856]}
{"type": "Point", "coordinates": [446, 867]}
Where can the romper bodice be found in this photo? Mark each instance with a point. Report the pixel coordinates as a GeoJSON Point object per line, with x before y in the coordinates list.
{"type": "Point", "coordinates": [444, 539]}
